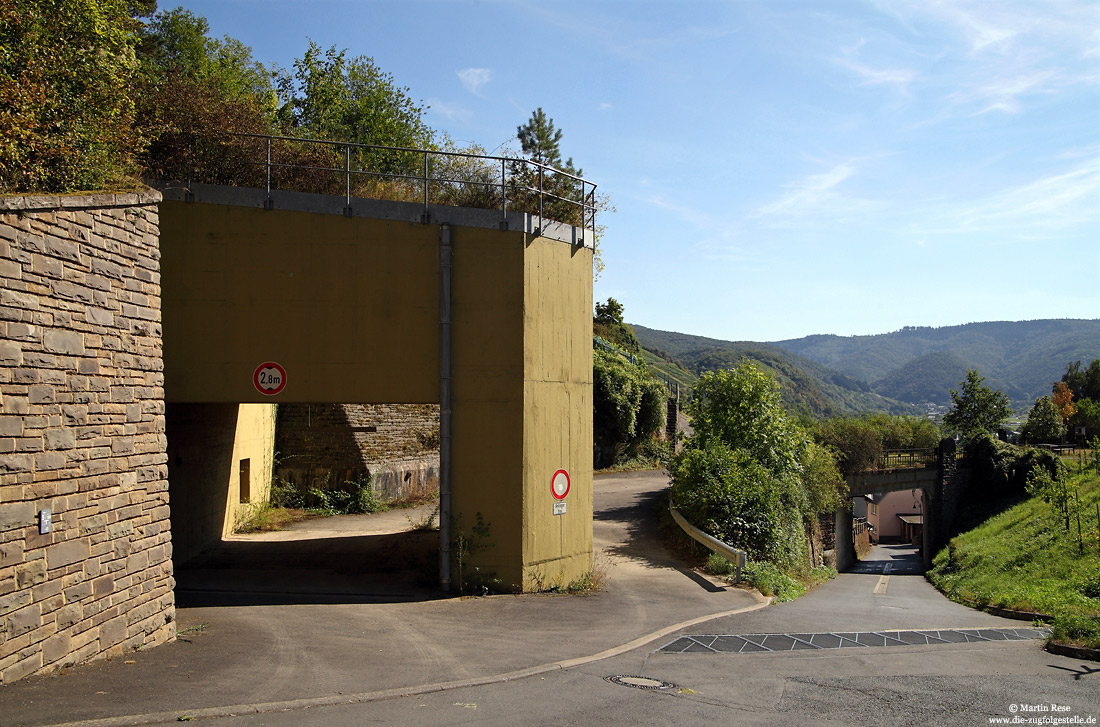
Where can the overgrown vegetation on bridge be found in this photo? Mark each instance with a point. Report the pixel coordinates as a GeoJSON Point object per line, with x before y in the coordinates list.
{"type": "Point", "coordinates": [99, 93]}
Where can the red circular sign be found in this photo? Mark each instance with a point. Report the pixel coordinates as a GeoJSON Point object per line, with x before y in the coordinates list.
{"type": "Point", "coordinates": [559, 485]}
{"type": "Point", "coordinates": [269, 378]}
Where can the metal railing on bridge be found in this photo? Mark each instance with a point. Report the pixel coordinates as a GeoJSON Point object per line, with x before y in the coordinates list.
{"type": "Point", "coordinates": [907, 459]}
{"type": "Point", "coordinates": [424, 176]}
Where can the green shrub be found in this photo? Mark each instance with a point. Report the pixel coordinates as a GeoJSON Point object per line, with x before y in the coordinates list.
{"type": "Point", "coordinates": [1090, 585]}
{"type": "Point", "coordinates": [629, 407]}
{"type": "Point", "coordinates": [771, 581]}
{"type": "Point", "coordinates": [728, 494]}
{"type": "Point", "coordinates": [1077, 629]}
{"type": "Point", "coordinates": [352, 497]}
{"type": "Point", "coordinates": [718, 566]}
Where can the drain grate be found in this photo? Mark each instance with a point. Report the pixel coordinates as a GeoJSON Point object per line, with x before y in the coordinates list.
{"type": "Point", "coordinates": [746, 643]}
{"type": "Point", "coordinates": [636, 682]}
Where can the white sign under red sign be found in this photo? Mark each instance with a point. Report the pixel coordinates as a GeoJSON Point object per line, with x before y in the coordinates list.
{"type": "Point", "coordinates": [269, 378]}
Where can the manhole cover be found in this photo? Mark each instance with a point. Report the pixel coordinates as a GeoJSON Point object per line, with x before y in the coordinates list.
{"type": "Point", "coordinates": [639, 682]}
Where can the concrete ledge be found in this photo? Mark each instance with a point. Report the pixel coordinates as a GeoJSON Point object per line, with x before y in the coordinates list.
{"type": "Point", "coordinates": [88, 200]}
{"type": "Point", "coordinates": [891, 481]}
{"type": "Point", "coordinates": [413, 212]}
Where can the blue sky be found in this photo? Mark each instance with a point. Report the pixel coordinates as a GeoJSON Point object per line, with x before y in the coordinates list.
{"type": "Point", "coordinates": [779, 168]}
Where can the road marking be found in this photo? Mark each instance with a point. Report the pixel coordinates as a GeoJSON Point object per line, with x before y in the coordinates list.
{"type": "Point", "coordinates": [756, 643]}
{"type": "Point", "coordinates": [883, 582]}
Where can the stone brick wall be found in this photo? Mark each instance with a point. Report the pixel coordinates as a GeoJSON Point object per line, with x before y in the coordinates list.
{"type": "Point", "coordinates": [81, 432]}
{"type": "Point", "coordinates": [398, 444]}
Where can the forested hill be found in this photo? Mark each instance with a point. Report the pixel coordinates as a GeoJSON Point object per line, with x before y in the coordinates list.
{"type": "Point", "coordinates": [1022, 358]}
{"type": "Point", "coordinates": [806, 386]}
{"type": "Point", "coordinates": [915, 365]}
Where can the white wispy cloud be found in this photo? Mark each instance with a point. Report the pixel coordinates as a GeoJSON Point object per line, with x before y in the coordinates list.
{"type": "Point", "coordinates": [474, 79]}
{"type": "Point", "coordinates": [1068, 199]}
{"type": "Point", "coordinates": [691, 215]}
{"type": "Point", "coordinates": [994, 57]}
{"type": "Point", "coordinates": [900, 77]}
{"type": "Point", "coordinates": [808, 194]}
{"type": "Point", "coordinates": [449, 111]}
{"type": "Point", "coordinates": [1004, 94]}
{"type": "Point", "coordinates": [1042, 208]}
{"type": "Point", "coordinates": [601, 26]}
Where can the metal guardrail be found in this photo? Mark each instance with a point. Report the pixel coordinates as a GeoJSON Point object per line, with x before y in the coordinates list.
{"type": "Point", "coordinates": [611, 347]}
{"type": "Point", "coordinates": [733, 555]}
{"type": "Point", "coordinates": [907, 459]}
{"type": "Point", "coordinates": [473, 180]}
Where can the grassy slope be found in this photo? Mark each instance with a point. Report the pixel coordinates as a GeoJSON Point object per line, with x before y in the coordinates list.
{"type": "Point", "coordinates": [670, 371]}
{"type": "Point", "coordinates": [1024, 559]}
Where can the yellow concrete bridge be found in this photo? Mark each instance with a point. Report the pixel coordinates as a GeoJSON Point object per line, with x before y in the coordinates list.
{"type": "Point", "coordinates": [274, 296]}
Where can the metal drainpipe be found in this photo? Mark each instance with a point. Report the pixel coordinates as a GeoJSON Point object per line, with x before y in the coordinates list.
{"type": "Point", "coordinates": [445, 257]}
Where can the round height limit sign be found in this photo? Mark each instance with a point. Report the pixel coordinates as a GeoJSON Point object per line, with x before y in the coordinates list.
{"type": "Point", "coordinates": [269, 378]}
{"type": "Point", "coordinates": [559, 488]}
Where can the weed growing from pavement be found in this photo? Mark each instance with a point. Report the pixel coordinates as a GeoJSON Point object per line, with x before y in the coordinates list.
{"type": "Point", "coordinates": [426, 521]}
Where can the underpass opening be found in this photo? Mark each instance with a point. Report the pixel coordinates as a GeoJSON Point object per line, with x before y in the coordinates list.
{"type": "Point", "coordinates": [914, 502]}
{"type": "Point", "coordinates": [335, 466]}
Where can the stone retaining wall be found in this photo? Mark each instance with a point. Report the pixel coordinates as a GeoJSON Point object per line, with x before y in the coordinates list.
{"type": "Point", "coordinates": [81, 432]}
{"type": "Point", "coordinates": [398, 444]}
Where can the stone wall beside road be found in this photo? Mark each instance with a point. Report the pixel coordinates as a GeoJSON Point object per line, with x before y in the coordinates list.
{"type": "Point", "coordinates": [81, 432]}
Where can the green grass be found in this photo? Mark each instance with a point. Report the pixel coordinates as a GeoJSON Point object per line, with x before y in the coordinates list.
{"type": "Point", "coordinates": [678, 374]}
{"type": "Point", "coordinates": [1026, 560]}
{"type": "Point", "coordinates": [264, 517]}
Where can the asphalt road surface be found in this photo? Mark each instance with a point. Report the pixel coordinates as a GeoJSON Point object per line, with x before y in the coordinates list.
{"type": "Point", "coordinates": [255, 651]}
{"type": "Point", "coordinates": [973, 683]}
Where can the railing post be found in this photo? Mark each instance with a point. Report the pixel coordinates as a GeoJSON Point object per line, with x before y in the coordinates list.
{"type": "Point", "coordinates": [540, 199]}
{"type": "Point", "coordinates": [425, 182]}
{"type": "Point", "coordinates": [267, 203]}
{"type": "Point", "coordinates": [503, 192]}
{"type": "Point", "coordinates": [582, 213]}
{"type": "Point", "coordinates": [347, 180]}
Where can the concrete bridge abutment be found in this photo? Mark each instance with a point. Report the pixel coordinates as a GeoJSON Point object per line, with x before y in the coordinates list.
{"type": "Point", "coordinates": [349, 307]}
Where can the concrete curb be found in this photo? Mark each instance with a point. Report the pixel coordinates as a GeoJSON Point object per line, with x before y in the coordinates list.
{"type": "Point", "coordinates": [1074, 652]}
{"type": "Point", "coordinates": [234, 710]}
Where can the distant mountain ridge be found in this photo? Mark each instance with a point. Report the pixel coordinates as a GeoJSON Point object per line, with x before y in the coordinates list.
{"type": "Point", "coordinates": [916, 365]}
{"type": "Point", "coordinates": [805, 385]}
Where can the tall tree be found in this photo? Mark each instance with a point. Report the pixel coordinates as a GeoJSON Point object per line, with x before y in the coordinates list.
{"type": "Point", "coordinates": [195, 91]}
{"type": "Point", "coordinates": [66, 98]}
{"type": "Point", "coordinates": [608, 324]}
{"type": "Point", "coordinates": [539, 139]}
{"type": "Point", "coordinates": [976, 409]}
{"type": "Point", "coordinates": [332, 97]}
{"type": "Point", "coordinates": [1063, 400]}
{"type": "Point", "coordinates": [741, 409]}
{"type": "Point", "coordinates": [1044, 422]}
{"type": "Point", "coordinates": [1085, 383]}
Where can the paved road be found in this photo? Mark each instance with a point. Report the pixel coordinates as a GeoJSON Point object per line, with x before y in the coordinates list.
{"type": "Point", "coordinates": [956, 684]}
{"type": "Point", "coordinates": [313, 652]}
